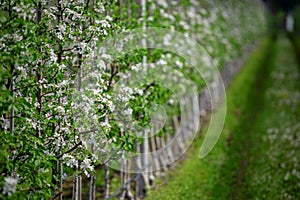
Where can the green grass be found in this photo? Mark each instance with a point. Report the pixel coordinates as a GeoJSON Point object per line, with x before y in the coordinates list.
{"type": "Point", "coordinates": [274, 171]}
{"type": "Point", "coordinates": [213, 176]}
{"type": "Point", "coordinates": [245, 100]}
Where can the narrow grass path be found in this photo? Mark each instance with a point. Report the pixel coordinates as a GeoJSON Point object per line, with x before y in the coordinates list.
{"type": "Point", "coordinates": [258, 154]}
{"type": "Point", "coordinates": [274, 165]}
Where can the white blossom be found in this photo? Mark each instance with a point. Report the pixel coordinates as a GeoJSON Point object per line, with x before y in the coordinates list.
{"type": "Point", "coordinates": [70, 160]}
{"type": "Point", "coordinates": [134, 67]}
{"type": "Point", "coordinates": [63, 83]}
{"type": "Point", "coordinates": [109, 18]}
{"type": "Point", "coordinates": [99, 7]}
{"type": "Point", "coordinates": [162, 3]}
{"type": "Point", "coordinates": [179, 64]}
{"type": "Point", "coordinates": [37, 104]}
{"type": "Point", "coordinates": [53, 56]}
{"type": "Point", "coordinates": [5, 123]}
{"type": "Point", "coordinates": [60, 109]}
{"type": "Point", "coordinates": [128, 111]}
{"type": "Point", "coordinates": [10, 184]}
{"type": "Point", "coordinates": [140, 92]}
{"type": "Point", "coordinates": [162, 62]}
{"type": "Point", "coordinates": [86, 164]}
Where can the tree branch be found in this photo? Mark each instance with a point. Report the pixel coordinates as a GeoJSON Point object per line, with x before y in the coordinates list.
{"type": "Point", "coordinates": [70, 150]}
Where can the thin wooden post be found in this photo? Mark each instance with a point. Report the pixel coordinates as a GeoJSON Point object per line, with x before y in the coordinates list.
{"type": "Point", "coordinates": [80, 187]}
{"type": "Point", "coordinates": [75, 187]}
{"type": "Point", "coordinates": [92, 192]}
{"type": "Point", "coordinates": [106, 181]}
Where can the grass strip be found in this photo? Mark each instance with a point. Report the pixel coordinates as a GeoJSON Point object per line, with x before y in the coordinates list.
{"type": "Point", "coordinates": [199, 179]}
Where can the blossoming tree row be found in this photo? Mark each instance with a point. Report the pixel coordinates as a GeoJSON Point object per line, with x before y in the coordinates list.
{"type": "Point", "coordinates": [47, 49]}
